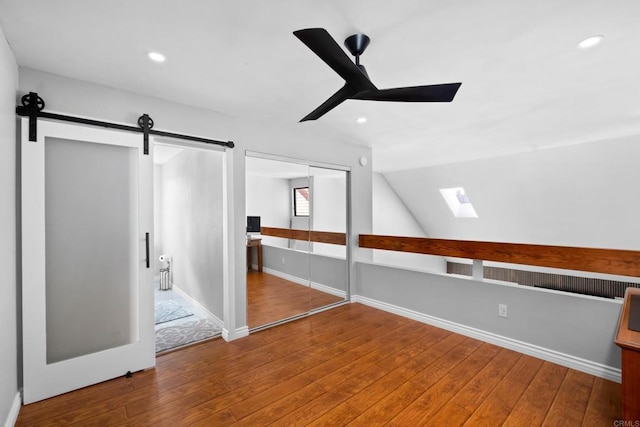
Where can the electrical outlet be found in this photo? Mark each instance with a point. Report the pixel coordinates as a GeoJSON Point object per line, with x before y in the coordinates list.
{"type": "Point", "coordinates": [283, 261]}
{"type": "Point", "coordinates": [502, 310]}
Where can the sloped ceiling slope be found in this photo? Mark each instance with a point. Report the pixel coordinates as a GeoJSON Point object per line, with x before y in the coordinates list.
{"type": "Point", "coordinates": [525, 83]}
{"type": "Point", "coordinates": [582, 195]}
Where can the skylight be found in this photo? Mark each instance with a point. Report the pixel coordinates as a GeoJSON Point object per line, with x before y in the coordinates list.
{"type": "Point", "coordinates": [458, 202]}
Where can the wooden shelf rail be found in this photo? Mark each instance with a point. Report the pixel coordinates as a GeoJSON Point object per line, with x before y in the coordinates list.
{"type": "Point", "coordinates": [306, 235]}
{"type": "Point", "coordinates": [608, 261]}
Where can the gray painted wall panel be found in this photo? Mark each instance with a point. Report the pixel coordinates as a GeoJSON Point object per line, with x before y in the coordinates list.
{"type": "Point", "coordinates": [325, 270]}
{"type": "Point", "coordinates": [296, 263]}
{"type": "Point", "coordinates": [329, 271]}
{"type": "Point", "coordinates": [575, 325]}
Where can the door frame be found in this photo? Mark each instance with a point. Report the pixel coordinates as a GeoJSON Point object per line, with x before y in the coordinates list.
{"type": "Point", "coordinates": [227, 192]}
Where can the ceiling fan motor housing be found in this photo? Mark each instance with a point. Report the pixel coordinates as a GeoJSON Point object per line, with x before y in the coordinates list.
{"type": "Point", "coordinates": [357, 44]}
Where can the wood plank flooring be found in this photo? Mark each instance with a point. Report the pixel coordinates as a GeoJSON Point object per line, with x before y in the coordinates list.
{"type": "Point", "coordinates": [271, 298]}
{"type": "Point", "coordinates": [350, 365]}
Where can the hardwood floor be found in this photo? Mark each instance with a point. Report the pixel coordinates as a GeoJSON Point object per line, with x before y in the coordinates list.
{"type": "Point", "coordinates": [350, 365]}
{"type": "Point", "coordinates": [270, 298]}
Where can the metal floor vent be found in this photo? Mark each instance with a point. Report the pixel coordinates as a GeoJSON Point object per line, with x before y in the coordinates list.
{"type": "Point", "coordinates": [560, 282]}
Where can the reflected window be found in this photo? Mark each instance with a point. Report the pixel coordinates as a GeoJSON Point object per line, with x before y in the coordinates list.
{"type": "Point", "coordinates": [301, 201]}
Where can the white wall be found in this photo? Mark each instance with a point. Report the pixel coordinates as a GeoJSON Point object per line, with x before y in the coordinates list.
{"type": "Point", "coordinates": [329, 209]}
{"type": "Point", "coordinates": [269, 198]}
{"type": "Point", "coordinates": [9, 301]}
{"type": "Point", "coordinates": [272, 199]}
{"type": "Point", "coordinates": [579, 195]}
{"type": "Point", "coordinates": [295, 140]}
{"type": "Point", "coordinates": [392, 218]}
{"type": "Point", "coordinates": [300, 222]}
{"type": "Point", "coordinates": [192, 225]}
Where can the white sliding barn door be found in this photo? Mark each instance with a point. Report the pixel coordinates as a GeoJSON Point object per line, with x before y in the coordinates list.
{"type": "Point", "coordinates": [87, 293]}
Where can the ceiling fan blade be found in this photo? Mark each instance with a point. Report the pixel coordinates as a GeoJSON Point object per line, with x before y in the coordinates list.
{"type": "Point", "coordinates": [323, 45]}
{"type": "Point", "coordinates": [431, 93]}
{"type": "Point", "coordinates": [336, 99]}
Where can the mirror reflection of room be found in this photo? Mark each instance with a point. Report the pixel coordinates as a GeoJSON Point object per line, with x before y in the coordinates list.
{"type": "Point", "coordinates": [289, 274]}
{"type": "Point", "coordinates": [327, 261]}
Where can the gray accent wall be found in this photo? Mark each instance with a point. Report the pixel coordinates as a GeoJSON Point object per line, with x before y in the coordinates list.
{"type": "Point", "coordinates": [325, 270]}
{"type": "Point", "coordinates": [329, 271]}
{"type": "Point", "coordinates": [9, 303]}
{"type": "Point", "coordinates": [288, 261]}
{"type": "Point", "coordinates": [576, 325]}
{"type": "Point", "coordinates": [191, 224]}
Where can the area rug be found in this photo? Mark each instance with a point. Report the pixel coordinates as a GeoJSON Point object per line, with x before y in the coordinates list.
{"type": "Point", "coordinates": [169, 310]}
{"type": "Point", "coordinates": [185, 333]}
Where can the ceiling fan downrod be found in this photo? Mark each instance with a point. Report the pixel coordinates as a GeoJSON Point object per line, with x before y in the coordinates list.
{"type": "Point", "coordinates": [357, 44]}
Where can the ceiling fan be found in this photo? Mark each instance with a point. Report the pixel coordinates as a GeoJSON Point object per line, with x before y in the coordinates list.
{"type": "Point", "coordinates": [357, 84]}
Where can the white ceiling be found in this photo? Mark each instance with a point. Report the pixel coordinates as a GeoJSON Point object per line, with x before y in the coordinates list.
{"type": "Point", "coordinates": [284, 169]}
{"type": "Point", "coordinates": [525, 84]}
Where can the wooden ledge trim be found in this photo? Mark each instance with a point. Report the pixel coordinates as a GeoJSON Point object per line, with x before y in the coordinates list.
{"type": "Point", "coordinates": [608, 261]}
{"type": "Point", "coordinates": [306, 235]}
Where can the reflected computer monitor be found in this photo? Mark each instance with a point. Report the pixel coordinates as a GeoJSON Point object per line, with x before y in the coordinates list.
{"type": "Point", "coordinates": [253, 225]}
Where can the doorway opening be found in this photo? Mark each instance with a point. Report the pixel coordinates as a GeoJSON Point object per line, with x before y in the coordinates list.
{"type": "Point", "coordinates": [188, 244]}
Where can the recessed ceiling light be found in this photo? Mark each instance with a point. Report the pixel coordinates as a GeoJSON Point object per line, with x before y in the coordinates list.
{"type": "Point", "coordinates": [361, 120]}
{"type": "Point", "coordinates": [591, 41]}
{"type": "Point", "coordinates": [156, 57]}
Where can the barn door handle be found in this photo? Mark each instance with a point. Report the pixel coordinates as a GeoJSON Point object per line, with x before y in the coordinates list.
{"type": "Point", "coordinates": [146, 246]}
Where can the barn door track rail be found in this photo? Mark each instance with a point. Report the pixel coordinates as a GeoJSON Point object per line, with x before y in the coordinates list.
{"type": "Point", "coordinates": [33, 106]}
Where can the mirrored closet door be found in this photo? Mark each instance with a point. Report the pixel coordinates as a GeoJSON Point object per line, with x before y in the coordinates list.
{"type": "Point", "coordinates": [328, 275]}
{"type": "Point", "coordinates": [296, 239]}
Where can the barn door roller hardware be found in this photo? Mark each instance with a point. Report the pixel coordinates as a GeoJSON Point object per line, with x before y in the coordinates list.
{"type": "Point", "coordinates": [33, 106]}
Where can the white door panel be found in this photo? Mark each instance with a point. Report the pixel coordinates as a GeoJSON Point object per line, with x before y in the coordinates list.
{"type": "Point", "coordinates": [87, 292]}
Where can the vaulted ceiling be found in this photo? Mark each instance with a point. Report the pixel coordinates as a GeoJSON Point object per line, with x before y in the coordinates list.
{"type": "Point", "coordinates": [525, 83]}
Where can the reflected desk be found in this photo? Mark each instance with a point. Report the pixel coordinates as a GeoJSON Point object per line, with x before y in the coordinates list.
{"type": "Point", "coordinates": [254, 243]}
{"type": "Point", "coordinates": [628, 339]}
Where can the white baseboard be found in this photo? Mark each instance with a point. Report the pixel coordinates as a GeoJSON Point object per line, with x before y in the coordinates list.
{"type": "Point", "coordinates": [195, 303]}
{"type": "Point", "coordinates": [242, 332]}
{"type": "Point", "coordinates": [318, 286]}
{"type": "Point", "coordinates": [239, 333]}
{"type": "Point", "coordinates": [12, 417]}
{"type": "Point", "coordinates": [569, 361]}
